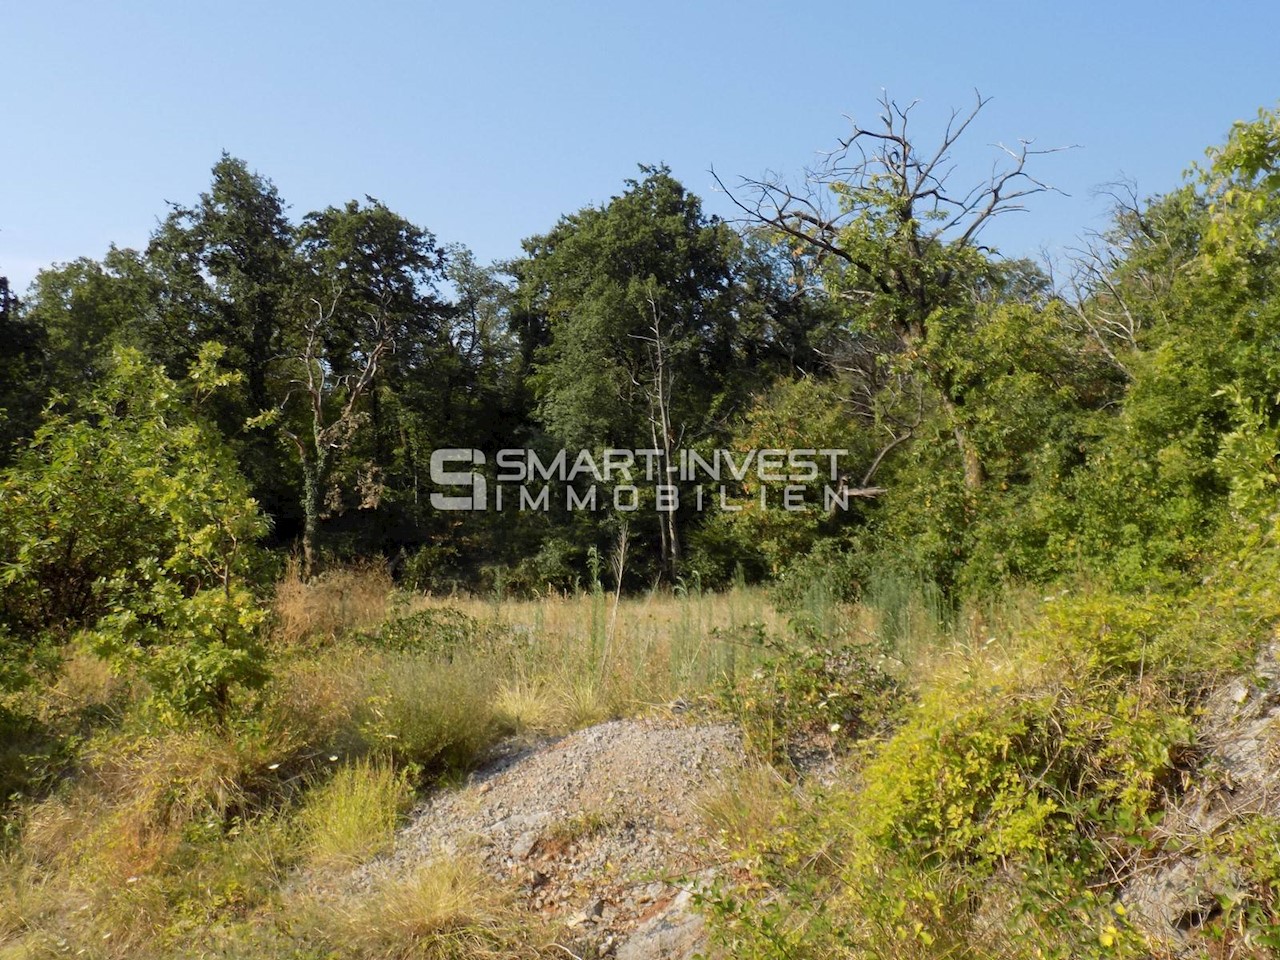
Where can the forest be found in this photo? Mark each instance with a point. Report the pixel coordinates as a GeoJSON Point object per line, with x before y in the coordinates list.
{"type": "Point", "coordinates": [239, 639]}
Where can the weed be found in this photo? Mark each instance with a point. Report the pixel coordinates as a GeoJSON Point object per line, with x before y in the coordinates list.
{"type": "Point", "coordinates": [354, 815]}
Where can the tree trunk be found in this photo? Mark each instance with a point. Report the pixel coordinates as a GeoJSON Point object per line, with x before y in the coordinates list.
{"type": "Point", "coordinates": [975, 475]}
{"type": "Point", "coordinates": [664, 544]}
{"type": "Point", "coordinates": [312, 495]}
{"type": "Point", "coordinates": [660, 422]}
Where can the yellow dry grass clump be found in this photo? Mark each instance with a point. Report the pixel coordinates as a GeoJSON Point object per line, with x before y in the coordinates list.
{"type": "Point", "coordinates": [340, 599]}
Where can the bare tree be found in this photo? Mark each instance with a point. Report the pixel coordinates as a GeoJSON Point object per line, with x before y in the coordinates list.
{"type": "Point", "coordinates": [330, 406]}
{"type": "Point", "coordinates": [1121, 277]}
{"type": "Point", "coordinates": [658, 385]}
{"type": "Point", "coordinates": [895, 239]}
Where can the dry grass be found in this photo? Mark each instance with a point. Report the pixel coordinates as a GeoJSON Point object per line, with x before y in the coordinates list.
{"type": "Point", "coordinates": [744, 809]}
{"type": "Point", "coordinates": [583, 664]}
{"type": "Point", "coordinates": [440, 715]}
{"type": "Point", "coordinates": [525, 705]}
{"type": "Point", "coordinates": [346, 598]}
{"type": "Point", "coordinates": [128, 812]}
{"type": "Point", "coordinates": [317, 701]}
{"type": "Point", "coordinates": [85, 683]}
{"type": "Point", "coordinates": [448, 909]}
{"type": "Point", "coordinates": [23, 903]}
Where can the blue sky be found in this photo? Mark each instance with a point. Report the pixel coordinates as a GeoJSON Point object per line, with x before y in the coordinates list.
{"type": "Point", "coordinates": [485, 121]}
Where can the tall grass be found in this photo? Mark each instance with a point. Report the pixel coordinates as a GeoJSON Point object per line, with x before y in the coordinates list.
{"type": "Point", "coordinates": [341, 599]}
{"type": "Point", "coordinates": [663, 646]}
{"type": "Point", "coordinates": [354, 815]}
{"type": "Point", "coordinates": [181, 841]}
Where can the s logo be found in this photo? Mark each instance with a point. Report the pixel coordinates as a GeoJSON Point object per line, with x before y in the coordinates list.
{"type": "Point", "coordinates": [441, 460]}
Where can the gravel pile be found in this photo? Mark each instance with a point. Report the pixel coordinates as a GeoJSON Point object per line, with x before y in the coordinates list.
{"type": "Point", "coordinates": [596, 828]}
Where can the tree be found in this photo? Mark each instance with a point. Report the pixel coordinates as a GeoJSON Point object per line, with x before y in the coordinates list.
{"type": "Point", "coordinates": [481, 327]}
{"type": "Point", "coordinates": [901, 248]}
{"type": "Point", "coordinates": [127, 523]}
{"type": "Point", "coordinates": [637, 307]}
{"type": "Point", "coordinates": [22, 376]}
{"type": "Point", "coordinates": [330, 410]}
{"type": "Point", "coordinates": [87, 308]}
{"type": "Point", "coordinates": [596, 279]}
{"type": "Point", "coordinates": [644, 326]}
{"type": "Point", "coordinates": [225, 268]}
{"type": "Point", "coordinates": [371, 317]}
{"type": "Point", "coordinates": [228, 266]}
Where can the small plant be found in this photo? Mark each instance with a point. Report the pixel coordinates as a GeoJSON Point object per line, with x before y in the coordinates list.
{"type": "Point", "coordinates": [813, 688]}
{"type": "Point", "coordinates": [581, 826]}
{"type": "Point", "coordinates": [354, 815]}
{"type": "Point", "coordinates": [742, 811]}
{"type": "Point", "coordinates": [525, 705]}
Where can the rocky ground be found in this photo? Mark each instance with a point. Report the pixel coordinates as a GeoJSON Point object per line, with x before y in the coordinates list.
{"type": "Point", "coordinates": [602, 829]}
{"type": "Point", "coordinates": [599, 829]}
{"type": "Point", "coordinates": [1175, 893]}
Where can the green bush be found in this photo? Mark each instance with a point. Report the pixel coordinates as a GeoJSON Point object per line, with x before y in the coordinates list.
{"type": "Point", "coordinates": [833, 570]}
{"type": "Point", "coordinates": [439, 631]}
{"type": "Point", "coordinates": [129, 524]}
{"type": "Point", "coordinates": [990, 822]}
{"type": "Point", "coordinates": [813, 687]}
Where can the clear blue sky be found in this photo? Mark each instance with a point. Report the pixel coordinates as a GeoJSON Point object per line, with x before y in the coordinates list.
{"type": "Point", "coordinates": [485, 121]}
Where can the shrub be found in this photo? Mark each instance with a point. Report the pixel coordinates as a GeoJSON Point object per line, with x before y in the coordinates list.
{"type": "Point", "coordinates": [133, 525]}
{"type": "Point", "coordinates": [813, 688]}
{"type": "Point", "coordinates": [832, 571]}
{"type": "Point", "coordinates": [997, 816]}
{"type": "Point", "coordinates": [438, 631]}
{"type": "Point", "coordinates": [354, 815]}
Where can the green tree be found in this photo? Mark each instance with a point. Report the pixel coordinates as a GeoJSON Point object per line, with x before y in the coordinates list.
{"type": "Point", "coordinates": [22, 376]}
{"type": "Point", "coordinates": [126, 522]}
{"type": "Point", "coordinates": [86, 308]}
{"type": "Point", "coordinates": [369, 332]}
{"type": "Point", "coordinates": [646, 327]}
{"type": "Point", "coordinates": [228, 266]}
{"type": "Point", "coordinates": [226, 269]}
{"type": "Point", "coordinates": [600, 278]}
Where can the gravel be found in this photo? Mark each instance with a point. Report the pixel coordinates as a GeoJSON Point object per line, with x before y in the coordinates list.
{"type": "Point", "coordinates": [599, 828]}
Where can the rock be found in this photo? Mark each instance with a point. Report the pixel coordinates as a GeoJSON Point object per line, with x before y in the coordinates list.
{"type": "Point", "coordinates": [524, 845]}
{"type": "Point", "coordinates": [590, 818]}
{"type": "Point", "coordinates": [589, 914]}
{"type": "Point", "coordinates": [677, 933]}
{"type": "Point", "coordinates": [1179, 898]}
{"type": "Point", "coordinates": [1171, 896]}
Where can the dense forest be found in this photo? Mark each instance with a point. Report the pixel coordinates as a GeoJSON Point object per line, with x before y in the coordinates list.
{"type": "Point", "coordinates": [251, 404]}
{"type": "Point", "coordinates": [859, 311]}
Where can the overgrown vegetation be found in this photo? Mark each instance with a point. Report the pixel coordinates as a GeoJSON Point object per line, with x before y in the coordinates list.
{"type": "Point", "coordinates": [1061, 535]}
